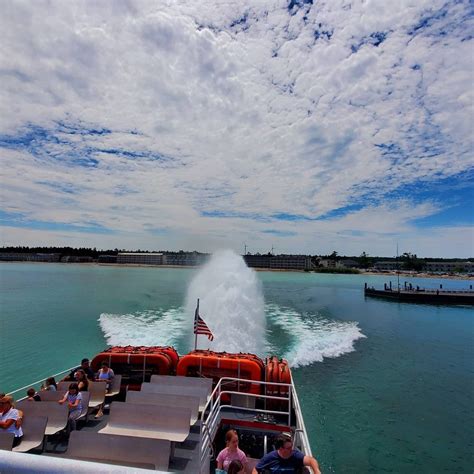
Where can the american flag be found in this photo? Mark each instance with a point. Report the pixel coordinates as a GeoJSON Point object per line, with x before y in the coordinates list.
{"type": "Point", "coordinates": [200, 327]}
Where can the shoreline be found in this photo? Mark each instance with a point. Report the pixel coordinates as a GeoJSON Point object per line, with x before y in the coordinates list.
{"type": "Point", "coordinates": [388, 274]}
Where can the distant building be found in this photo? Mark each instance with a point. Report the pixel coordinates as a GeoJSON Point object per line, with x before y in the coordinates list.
{"type": "Point", "coordinates": [388, 265]}
{"type": "Point", "coordinates": [185, 258]}
{"type": "Point", "coordinates": [139, 258]}
{"type": "Point", "coordinates": [280, 262]}
{"type": "Point", "coordinates": [107, 259]}
{"type": "Point", "coordinates": [29, 257]}
{"type": "Point", "coordinates": [327, 262]}
{"type": "Point", "coordinates": [347, 263]}
{"type": "Point", "coordinates": [257, 261]}
{"type": "Point", "coordinates": [190, 259]}
{"type": "Point", "coordinates": [449, 267]}
{"type": "Point", "coordinates": [76, 259]}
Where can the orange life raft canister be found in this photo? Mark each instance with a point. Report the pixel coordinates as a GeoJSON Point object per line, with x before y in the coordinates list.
{"type": "Point", "coordinates": [138, 364]}
{"type": "Point", "coordinates": [277, 371]}
{"type": "Point", "coordinates": [221, 364]}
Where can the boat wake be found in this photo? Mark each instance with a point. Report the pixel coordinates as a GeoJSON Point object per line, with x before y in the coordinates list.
{"type": "Point", "coordinates": [144, 328]}
{"type": "Point", "coordinates": [232, 305]}
{"type": "Point", "coordinates": [305, 339]}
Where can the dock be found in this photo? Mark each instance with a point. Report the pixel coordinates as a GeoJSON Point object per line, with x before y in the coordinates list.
{"type": "Point", "coordinates": [410, 294]}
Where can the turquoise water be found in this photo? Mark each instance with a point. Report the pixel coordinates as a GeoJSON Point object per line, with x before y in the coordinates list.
{"type": "Point", "coordinates": [384, 387]}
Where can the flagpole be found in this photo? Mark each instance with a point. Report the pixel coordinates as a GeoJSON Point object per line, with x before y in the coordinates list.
{"type": "Point", "coordinates": [195, 320]}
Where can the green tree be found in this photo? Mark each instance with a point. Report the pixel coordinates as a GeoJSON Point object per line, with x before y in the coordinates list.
{"type": "Point", "coordinates": [364, 260]}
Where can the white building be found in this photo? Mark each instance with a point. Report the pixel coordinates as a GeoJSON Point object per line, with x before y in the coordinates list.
{"type": "Point", "coordinates": [140, 258]}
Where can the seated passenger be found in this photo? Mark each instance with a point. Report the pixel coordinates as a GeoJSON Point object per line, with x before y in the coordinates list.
{"type": "Point", "coordinates": [81, 379]}
{"type": "Point", "coordinates": [85, 366]}
{"type": "Point", "coordinates": [236, 467]}
{"type": "Point", "coordinates": [33, 395]}
{"type": "Point", "coordinates": [285, 459]}
{"type": "Point", "coordinates": [231, 452]}
{"type": "Point", "coordinates": [49, 384]}
{"type": "Point", "coordinates": [73, 397]}
{"type": "Point", "coordinates": [19, 420]}
{"type": "Point", "coordinates": [10, 418]}
{"type": "Point", "coordinates": [105, 373]}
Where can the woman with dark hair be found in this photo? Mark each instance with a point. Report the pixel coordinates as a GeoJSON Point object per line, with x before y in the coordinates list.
{"type": "Point", "coordinates": [50, 384]}
{"type": "Point", "coordinates": [73, 397]}
{"type": "Point", "coordinates": [105, 374]}
{"type": "Point", "coordinates": [81, 379]}
{"type": "Point", "coordinates": [231, 452]}
{"type": "Point", "coordinates": [236, 467]}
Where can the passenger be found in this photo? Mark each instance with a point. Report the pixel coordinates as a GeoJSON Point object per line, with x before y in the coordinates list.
{"type": "Point", "coordinates": [105, 373]}
{"type": "Point", "coordinates": [231, 452]}
{"type": "Point", "coordinates": [236, 467]}
{"type": "Point", "coordinates": [81, 379]}
{"type": "Point", "coordinates": [285, 459]}
{"type": "Point", "coordinates": [10, 419]}
{"type": "Point", "coordinates": [33, 396]}
{"type": "Point", "coordinates": [73, 397]}
{"type": "Point", "coordinates": [85, 366]}
{"type": "Point", "coordinates": [19, 421]}
{"type": "Point", "coordinates": [50, 384]}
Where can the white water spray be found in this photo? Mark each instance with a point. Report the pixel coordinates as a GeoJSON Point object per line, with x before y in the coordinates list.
{"type": "Point", "coordinates": [231, 304]}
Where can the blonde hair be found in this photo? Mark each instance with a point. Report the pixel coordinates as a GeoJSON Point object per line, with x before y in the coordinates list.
{"type": "Point", "coordinates": [7, 399]}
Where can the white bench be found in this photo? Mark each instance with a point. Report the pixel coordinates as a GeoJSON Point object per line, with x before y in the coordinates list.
{"type": "Point", "coordinates": [51, 396]}
{"type": "Point", "coordinates": [64, 386]}
{"type": "Point", "coordinates": [148, 421]}
{"type": "Point", "coordinates": [97, 392]}
{"type": "Point", "coordinates": [178, 390]}
{"type": "Point", "coordinates": [127, 450]}
{"type": "Point", "coordinates": [34, 430]}
{"type": "Point", "coordinates": [115, 386]}
{"type": "Point", "coordinates": [162, 399]}
{"type": "Point", "coordinates": [57, 414]}
{"type": "Point", "coordinates": [181, 381]}
{"type": "Point", "coordinates": [6, 440]}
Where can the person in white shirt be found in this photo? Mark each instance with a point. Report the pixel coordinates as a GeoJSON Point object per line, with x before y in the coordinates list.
{"type": "Point", "coordinates": [9, 418]}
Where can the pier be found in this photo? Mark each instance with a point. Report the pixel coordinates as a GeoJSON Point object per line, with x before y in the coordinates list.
{"type": "Point", "coordinates": [415, 294]}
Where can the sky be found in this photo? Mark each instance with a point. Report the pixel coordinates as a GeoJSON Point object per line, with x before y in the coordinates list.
{"type": "Point", "coordinates": [303, 126]}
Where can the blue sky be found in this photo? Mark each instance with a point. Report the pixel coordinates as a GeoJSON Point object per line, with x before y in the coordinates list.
{"type": "Point", "coordinates": [303, 126]}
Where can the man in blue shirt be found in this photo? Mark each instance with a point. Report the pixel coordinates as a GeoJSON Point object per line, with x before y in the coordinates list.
{"type": "Point", "coordinates": [285, 460]}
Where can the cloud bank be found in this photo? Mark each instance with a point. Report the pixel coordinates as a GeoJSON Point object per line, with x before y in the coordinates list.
{"type": "Point", "coordinates": [312, 127]}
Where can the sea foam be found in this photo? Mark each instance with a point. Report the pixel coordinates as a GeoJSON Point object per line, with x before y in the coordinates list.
{"type": "Point", "coordinates": [143, 328]}
{"type": "Point", "coordinates": [312, 337]}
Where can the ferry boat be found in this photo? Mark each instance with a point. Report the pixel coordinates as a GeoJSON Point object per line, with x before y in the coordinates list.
{"type": "Point", "coordinates": [163, 412]}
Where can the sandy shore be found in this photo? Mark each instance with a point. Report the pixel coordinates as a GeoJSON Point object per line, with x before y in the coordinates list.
{"type": "Point", "coordinates": [387, 274]}
{"type": "Point", "coordinates": [420, 275]}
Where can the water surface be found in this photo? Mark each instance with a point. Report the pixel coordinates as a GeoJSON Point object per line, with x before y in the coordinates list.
{"type": "Point", "coordinates": [384, 386]}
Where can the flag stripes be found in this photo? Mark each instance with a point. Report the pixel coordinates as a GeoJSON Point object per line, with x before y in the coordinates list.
{"type": "Point", "coordinates": [200, 327]}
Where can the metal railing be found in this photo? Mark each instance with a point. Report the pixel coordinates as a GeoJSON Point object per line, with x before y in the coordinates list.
{"type": "Point", "coordinates": [38, 383]}
{"type": "Point", "coordinates": [211, 413]}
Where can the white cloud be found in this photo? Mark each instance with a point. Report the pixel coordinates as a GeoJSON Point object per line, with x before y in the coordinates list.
{"type": "Point", "coordinates": [254, 110]}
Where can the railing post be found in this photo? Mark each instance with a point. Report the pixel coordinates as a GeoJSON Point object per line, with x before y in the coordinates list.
{"type": "Point", "coordinates": [289, 405]}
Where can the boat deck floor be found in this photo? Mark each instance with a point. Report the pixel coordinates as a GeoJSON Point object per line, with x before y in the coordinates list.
{"type": "Point", "coordinates": [185, 458]}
